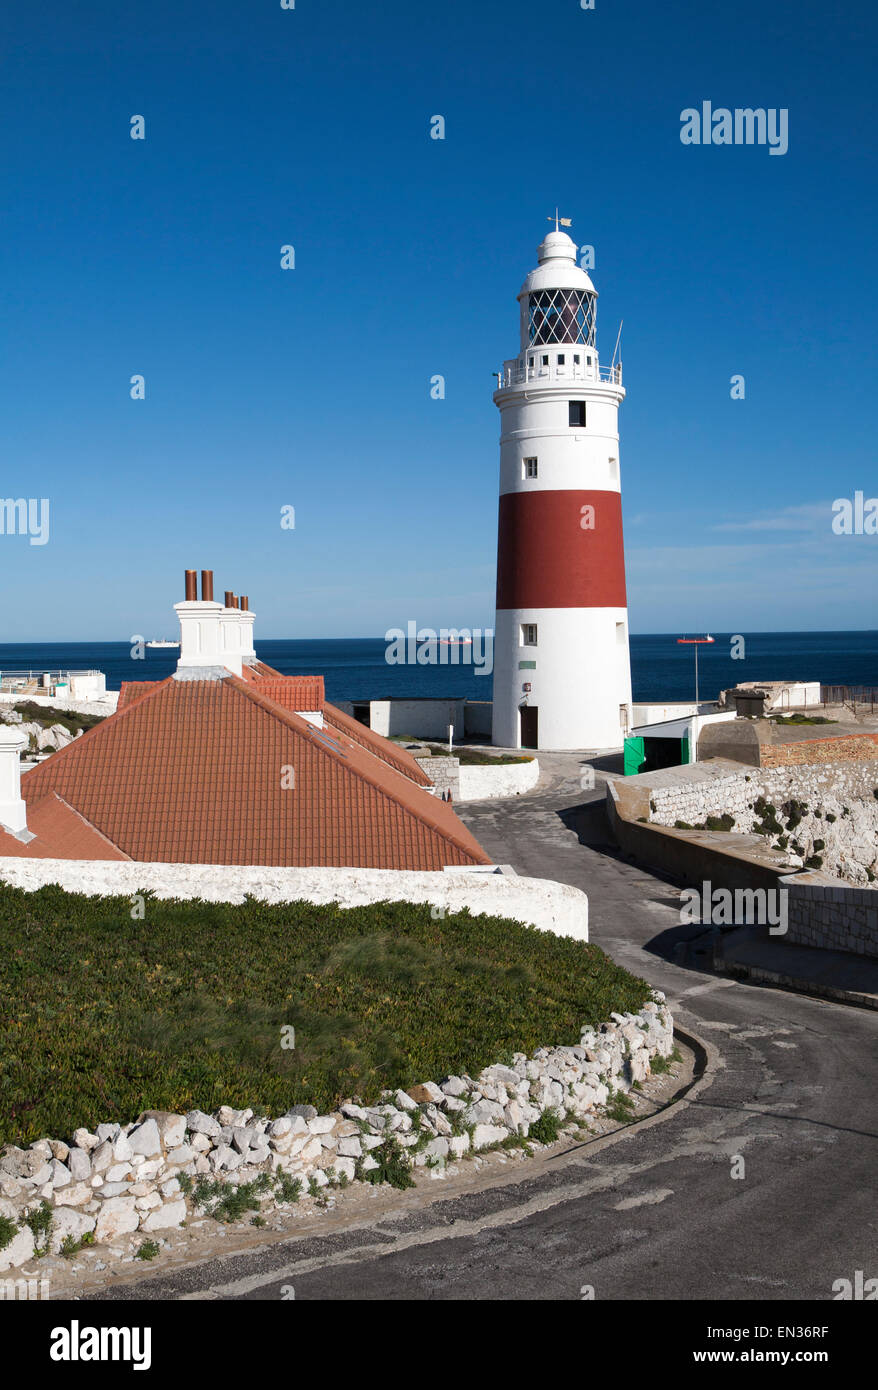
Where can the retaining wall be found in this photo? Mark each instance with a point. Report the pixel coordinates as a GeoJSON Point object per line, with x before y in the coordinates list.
{"type": "Point", "coordinates": [537, 902]}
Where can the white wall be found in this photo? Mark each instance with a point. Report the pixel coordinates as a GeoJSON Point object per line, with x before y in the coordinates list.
{"type": "Point", "coordinates": [541, 903]}
{"type": "Point", "coordinates": [421, 718]}
{"type": "Point", "coordinates": [481, 782]}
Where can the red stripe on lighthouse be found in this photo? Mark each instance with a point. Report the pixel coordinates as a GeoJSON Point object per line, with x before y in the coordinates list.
{"type": "Point", "coordinates": [547, 558]}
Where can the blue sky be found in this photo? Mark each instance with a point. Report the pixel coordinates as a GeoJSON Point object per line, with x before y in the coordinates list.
{"type": "Point", "coordinates": [310, 387]}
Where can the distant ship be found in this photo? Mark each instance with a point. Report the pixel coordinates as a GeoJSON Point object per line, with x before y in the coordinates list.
{"type": "Point", "coordinates": [163, 644]}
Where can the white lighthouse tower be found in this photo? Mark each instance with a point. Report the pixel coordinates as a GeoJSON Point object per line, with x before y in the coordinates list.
{"type": "Point", "coordinates": [562, 676]}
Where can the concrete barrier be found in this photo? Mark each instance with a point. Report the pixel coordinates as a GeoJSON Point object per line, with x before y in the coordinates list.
{"type": "Point", "coordinates": [481, 781]}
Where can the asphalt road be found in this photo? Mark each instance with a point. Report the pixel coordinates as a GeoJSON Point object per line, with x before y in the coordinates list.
{"type": "Point", "coordinates": [658, 1215]}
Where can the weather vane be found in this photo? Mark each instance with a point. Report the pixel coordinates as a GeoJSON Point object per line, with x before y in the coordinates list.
{"type": "Point", "coordinates": [564, 221]}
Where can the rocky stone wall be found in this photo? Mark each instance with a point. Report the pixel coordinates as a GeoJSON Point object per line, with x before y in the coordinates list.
{"type": "Point", "coordinates": [142, 1177]}
{"type": "Point", "coordinates": [835, 817]}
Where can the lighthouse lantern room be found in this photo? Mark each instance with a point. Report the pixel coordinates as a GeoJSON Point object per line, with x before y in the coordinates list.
{"type": "Point", "coordinates": [562, 677]}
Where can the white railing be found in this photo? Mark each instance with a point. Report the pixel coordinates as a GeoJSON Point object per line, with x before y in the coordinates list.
{"type": "Point", "coordinates": [514, 374]}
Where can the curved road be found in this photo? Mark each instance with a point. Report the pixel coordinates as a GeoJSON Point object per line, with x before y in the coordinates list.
{"type": "Point", "coordinates": [657, 1215]}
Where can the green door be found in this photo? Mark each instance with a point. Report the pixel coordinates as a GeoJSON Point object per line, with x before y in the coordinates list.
{"type": "Point", "coordinates": [634, 755]}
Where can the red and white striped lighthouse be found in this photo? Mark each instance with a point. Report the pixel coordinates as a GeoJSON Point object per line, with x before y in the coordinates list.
{"type": "Point", "coordinates": [562, 676]}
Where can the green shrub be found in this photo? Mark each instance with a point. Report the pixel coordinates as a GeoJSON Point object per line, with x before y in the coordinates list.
{"type": "Point", "coordinates": [394, 1165]}
{"type": "Point", "coordinates": [147, 1251]}
{"type": "Point", "coordinates": [40, 1220]}
{"type": "Point", "coordinates": [723, 822]}
{"type": "Point", "coordinates": [547, 1128]}
{"type": "Point", "coordinates": [830, 817]}
{"type": "Point", "coordinates": [819, 844]}
{"type": "Point", "coordinates": [8, 1230]}
{"type": "Point", "coordinates": [102, 1019]}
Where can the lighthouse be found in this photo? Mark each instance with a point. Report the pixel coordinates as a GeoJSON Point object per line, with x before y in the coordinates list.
{"type": "Point", "coordinates": [562, 674]}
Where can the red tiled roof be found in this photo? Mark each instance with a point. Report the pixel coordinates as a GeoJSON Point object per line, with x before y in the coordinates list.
{"type": "Point", "coordinates": [192, 772]}
{"type": "Point", "coordinates": [292, 692]}
{"type": "Point", "coordinates": [132, 690]}
{"type": "Point", "coordinates": [397, 757]}
{"type": "Point", "coordinates": [61, 833]}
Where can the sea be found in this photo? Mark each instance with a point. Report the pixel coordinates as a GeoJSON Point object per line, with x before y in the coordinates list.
{"type": "Point", "coordinates": [356, 669]}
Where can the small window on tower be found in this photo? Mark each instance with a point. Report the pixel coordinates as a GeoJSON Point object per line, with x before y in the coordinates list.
{"type": "Point", "coordinates": [528, 634]}
{"type": "Point", "coordinates": [545, 360]}
{"type": "Point", "coordinates": [614, 470]}
{"type": "Point", "coordinates": [577, 412]}
{"type": "Point", "coordinates": [529, 469]}
{"type": "Point", "coordinates": [530, 361]}
{"type": "Point", "coordinates": [560, 359]}
{"type": "Point", "coordinates": [576, 359]}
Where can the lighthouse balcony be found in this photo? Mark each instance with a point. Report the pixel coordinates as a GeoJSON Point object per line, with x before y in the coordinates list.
{"type": "Point", "coordinates": [554, 372]}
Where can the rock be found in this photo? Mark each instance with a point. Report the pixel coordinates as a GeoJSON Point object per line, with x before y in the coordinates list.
{"type": "Point", "coordinates": [278, 1128]}
{"type": "Point", "coordinates": [79, 1163]}
{"type": "Point", "coordinates": [107, 1133]}
{"type": "Point", "coordinates": [225, 1157]}
{"type": "Point", "coordinates": [177, 1157]}
{"type": "Point", "coordinates": [75, 1194]}
{"type": "Point", "coordinates": [349, 1146]}
{"type": "Point", "coordinates": [59, 1150]}
{"type": "Point", "coordinates": [306, 1112]}
{"type": "Point", "coordinates": [454, 1086]}
{"type": "Point", "coordinates": [354, 1112]}
{"type": "Point", "coordinates": [483, 1135]}
{"type": "Point", "coordinates": [83, 1139]}
{"type": "Point", "coordinates": [346, 1166]}
{"type": "Point", "coordinates": [170, 1188]}
{"type": "Point", "coordinates": [403, 1101]}
{"type": "Point", "coordinates": [437, 1148]}
{"type": "Point", "coordinates": [145, 1139]}
{"type": "Point", "coordinates": [483, 1112]}
{"type": "Point", "coordinates": [19, 1250]}
{"type": "Point", "coordinates": [425, 1093]}
{"type": "Point", "coordinates": [122, 1149]}
{"type": "Point", "coordinates": [371, 1141]}
{"type": "Point", "coordinates": [60, 1173]}
{"type": "Point", "coordinates": [171, 1128]}
{"type": "Point", "coordinates": [21, 1163]}
{"type": "Point", "coordinates": [241, 1137]}
{"type": "Point", "coordinates": [102, 1157]}
{"type": "Point", "coordinates": [118, 1172]}
{"type": "Point", "coordinates": [146, 1203]}
{"type": "Point", "coordinates": [321, 1124]}
{"type": "Point", "coordinates": [170, 1214]}
{"type": "Point", "coordinates": [199, 1123]}
{"type": "Point", "coordinates": [67, 1221]}
{"type": "Point", "coordinates": [116, 1217]}
{"type": "Point", "coordinates": [311, 1149]}
{"type": "Point", "coordinates": [200, 1143]}
{"type": "Point", "coordinates": [227, 1116]}
{"type": "Point", "coordinates": [458, 1144]}
{"type": "Point", "coordinates": [114, 1189]}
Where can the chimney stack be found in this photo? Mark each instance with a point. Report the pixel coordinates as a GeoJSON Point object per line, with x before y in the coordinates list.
{"type": "Point", "coordinates": [13, 811]}
{"type": "Point", "coordinates": [200, 649]}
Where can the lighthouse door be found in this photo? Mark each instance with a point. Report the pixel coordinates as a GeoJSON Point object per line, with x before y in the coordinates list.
{"type": "Point", "coordinates": [529, 725]}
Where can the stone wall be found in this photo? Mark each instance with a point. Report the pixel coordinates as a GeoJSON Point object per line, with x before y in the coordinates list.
{"type": "Point", "coordinates": [841, 919]}
{"type": "Point", "coordinates": [443, 773]}
{"type": "Point", "coordinates": [837, 816]}
{"type": "Point", "coordinates": [538, 902]}
{"type": "Point", "coordinates": [850, 748]}
{"type": "Point", "coordinates": [132, 1180]}
{"type": "Point", "coordinates": [480, 782]}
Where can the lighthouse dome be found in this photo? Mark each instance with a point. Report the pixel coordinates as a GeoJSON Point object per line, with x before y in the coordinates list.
{"type": "Point", "coordinates": [557, 267]}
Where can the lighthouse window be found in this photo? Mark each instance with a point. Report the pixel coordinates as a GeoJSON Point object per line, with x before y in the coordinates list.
{"type": "Point", "coordinates": [528, 634]}
{"type": "Point", "coordinates": [560, 359]}
{"type": "Point", "coordinates": [530, 468]}
{"type": "Point", "coordinates": [561, 316]}
{"type": "Point", "coordinates": [545, 360]}
{"type": "Point", "coordinates": [576, 359]}
{"type": "Point", "coordinates": [576, 410]}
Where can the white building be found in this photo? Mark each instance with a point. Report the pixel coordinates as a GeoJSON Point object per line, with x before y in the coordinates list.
{"type": "Point", "coordinates": [562, 674]}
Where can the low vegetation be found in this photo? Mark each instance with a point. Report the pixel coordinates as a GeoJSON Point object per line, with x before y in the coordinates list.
{"type": "Point", "coordinates": [47, 715]}
{"type": "Point", "coordinates": [107, 1015]}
